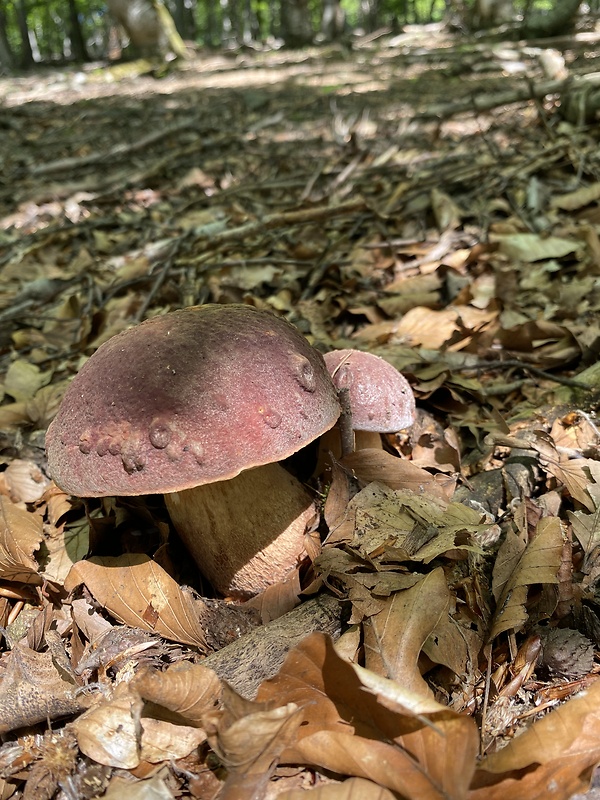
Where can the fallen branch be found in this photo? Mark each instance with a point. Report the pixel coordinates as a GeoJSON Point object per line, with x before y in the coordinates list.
{"type": "Point", "coordinates": [258, 655]}
{"type": "Point", "coordinates": [486, 102]}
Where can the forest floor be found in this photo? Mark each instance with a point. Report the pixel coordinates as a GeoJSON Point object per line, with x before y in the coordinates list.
{"type": "Point", "coordinates": [429, 198]}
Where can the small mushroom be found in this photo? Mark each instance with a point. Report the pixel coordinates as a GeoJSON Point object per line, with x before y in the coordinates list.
{"type": "Point", "coordinates": [199, 405]}
{"type": "Point", "coordinates": [375, 397]}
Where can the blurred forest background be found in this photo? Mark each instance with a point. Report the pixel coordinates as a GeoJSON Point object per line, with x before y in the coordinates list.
{"type": "Point", "coordinates": [36, 31]}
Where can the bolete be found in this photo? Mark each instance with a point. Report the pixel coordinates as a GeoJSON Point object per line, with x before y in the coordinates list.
{"type": "Point", "coordinates": [200, 405]}
{"type": "Point", "coordinates": [379, 398]}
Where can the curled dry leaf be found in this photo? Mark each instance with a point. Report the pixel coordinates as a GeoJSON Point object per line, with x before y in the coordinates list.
{"type": "Point", "coordinates": [165, 741]}
{"type": "Point", "coordinates": [376, 465]}
{"type": "Point", "coordinates": [190, 691]}
{"type": "Point", "coordinates": [33, 689]}
{"type": "Point", "coordinates": [395, 636]}
{"type": "Point", "coordinates": [556, 755]}
{"type": "Point", "coordinates": [23, 481]}
{"type": "Point", "coordinates": [139, 593]}
{"type": "Point", "coordinates": [539, 562]}
{"type": "Point", "coordinates": [20, 537]}
{"type": "Point", "coordinates": [249, 739]}
{"type": "Point", "coordinates": [360, 724]}
{"type": "Point", "coordinates": [110, 733]}
{"type": "Point", "coordinates": [352, 789]}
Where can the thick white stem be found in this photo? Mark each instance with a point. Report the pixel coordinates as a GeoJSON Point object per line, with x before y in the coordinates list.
{"type": "Point", "coordinates": [246, 533]}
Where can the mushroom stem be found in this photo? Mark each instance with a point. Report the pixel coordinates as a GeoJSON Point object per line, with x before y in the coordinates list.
{"type": "Point", "coordinates": [345, 421]}
{"type": "Point", "coordinates": [245, 533]}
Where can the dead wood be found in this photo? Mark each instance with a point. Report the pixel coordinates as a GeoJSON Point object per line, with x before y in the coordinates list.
{"type": "Point", "coordinates": [258, 655]}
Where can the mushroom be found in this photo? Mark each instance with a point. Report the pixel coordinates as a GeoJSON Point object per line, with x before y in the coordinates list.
{"type": "Point", "coordinates": [375, 397]}
{"type": "Point", "coordinates": [199, 405]}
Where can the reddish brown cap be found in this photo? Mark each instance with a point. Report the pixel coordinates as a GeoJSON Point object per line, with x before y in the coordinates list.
{"type": "Point", "coordinates": [381, 399]}
{"type": "Point", "coordinates": [188, 398]}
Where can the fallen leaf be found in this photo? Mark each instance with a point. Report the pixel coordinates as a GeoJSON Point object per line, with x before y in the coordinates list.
{"type": "Point", "coordinates": [110, 733]}
{"type": "Point", "coordinates": [138, 592]}
{"type": "Point", "coordinates": [189, 690]}
{"type": "Point", "coordinates": [376, 465]}
{"type": "Point", "coordinates": [363, 725]}
{"type": "Point", "coordinates": [352, 789]}
{"type": "Point", "coordinates": [23, 379]}
{"type": "Point", "coordinates": [20, 536]}
{"type": "Point", "coordinates": [395, 636]}
{"type": "Point", "coordinates": [33, 689]}
{"type": "Point", "coordinates": [539, 562]}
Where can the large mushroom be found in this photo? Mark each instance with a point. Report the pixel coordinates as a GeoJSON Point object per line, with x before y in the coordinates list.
{"type": "Point", "coordinates": [376, 397]}
{"type": "Point", "coordinates": [199, 405]}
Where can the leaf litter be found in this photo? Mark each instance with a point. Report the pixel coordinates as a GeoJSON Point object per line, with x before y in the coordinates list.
{"type": "Point", "coordinates": [460, 558]}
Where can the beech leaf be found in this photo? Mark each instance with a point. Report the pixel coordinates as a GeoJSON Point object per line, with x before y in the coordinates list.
{"type": "Point", "coordinates": [20, 537]}
{"type": "Point", "coordinates": [138, 592]}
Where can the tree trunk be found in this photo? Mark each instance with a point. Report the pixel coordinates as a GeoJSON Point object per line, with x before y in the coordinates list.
{"type": "Point", "coordinates": [7, 58]}
{"type": "Point", "coordinates": [296, 28]}
{"type": "Point", "coordinates": [26, 59]}
{"type": "Point", "coordinates": [333, 21]}
{"type": "Point", "coordinates": [560, 20]}
{"type": "Point", "coordinates": [78, 49]}
{"type": "Point", "coordinates": [149, 26]}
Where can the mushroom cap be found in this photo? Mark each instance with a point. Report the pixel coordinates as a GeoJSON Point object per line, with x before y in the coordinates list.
{"type": "Point", "coordinates": [381, 399]}
{"type": "Point", "coordinates": [188, 398]}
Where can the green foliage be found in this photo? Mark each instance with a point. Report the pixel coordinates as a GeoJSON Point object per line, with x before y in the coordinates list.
{"type": "Point", "coordinates": [216, 23]}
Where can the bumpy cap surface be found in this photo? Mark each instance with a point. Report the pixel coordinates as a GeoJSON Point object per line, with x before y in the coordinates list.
{"type": "Point", "coordinates": [188, 398]}
{"type": "Point", "coordinates": [381, 399]}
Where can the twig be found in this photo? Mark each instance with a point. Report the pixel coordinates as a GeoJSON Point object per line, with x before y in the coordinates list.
{"type": "Point", "coordinates": [514, 362]}
{"type": "Point", "coordinates": [118, 151]}
{"type": "Point", "coordinates": [284, 219]}
{"type": "Point", "coordinates": [258, 655]}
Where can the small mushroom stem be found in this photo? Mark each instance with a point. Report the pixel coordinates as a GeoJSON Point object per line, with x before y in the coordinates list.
{"type": "Point", "coordinates": [245, 533]}
{"type": "Point", "coordinates": [345, 422]}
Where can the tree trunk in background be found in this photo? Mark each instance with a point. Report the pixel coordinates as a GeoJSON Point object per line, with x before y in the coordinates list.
{"type": "Point", "coordinates": [149, 26]}
{"type": "Point", "coordinates": [333, 21]}
{"type": "Point", "coordinates": [487, 13]}
{"type": "Point", "coordinates": [560, 20]}
{"type": "Point", "coordinates": [26, 58]}
{"type": "Point", "coordinates": [296, 27]}
{"type": "Point", "coordinates": [184, 20]}
{"type": "Point", "coordinates": [7, 58]}
{"type": "Point", "coordinates": [78, 50]}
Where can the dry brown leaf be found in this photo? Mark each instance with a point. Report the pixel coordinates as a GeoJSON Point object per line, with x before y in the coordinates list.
{"type": "Point", "coordinates": [360, 724]}
{"type": "Point", "coordinates": [403, 526]}
{"type": "Point", "coordinates": [23, 379]}
{"type": "Point", "coordinates": [556, 754]}
{"type": "Point", "coordinates": [164, 741]}
{"type": "Point", "coordinates": [529, 247]}
{"type": "Point", "coordinates": [352, 789]}
{"type": "Point", "coordinates": [12, 416]}
{"type": "Point", "coordinates": [20, 537]}
{"type": "Point", "coordinates": [23, 481]}
{"type": "Point", "coordinates": [249, 738]}
{"type": "Point", "coordinates": [581, 197]}
{"type": "Point", "coordinates": [538, 563]}
{"type": "Point", "coordinates": [189, 690]}
{"type": "Point", "coordinates": [110, 733]}
{"type": "Point", "coordinates": [424, 327]}
{"type": "Point", "coordinates": [64, 547]}
{"type": "Point", "coordinates": [138, 592]}
{"type": "Point", "coordinates": [376, 465]}
{"type": "Point", "coordinates": [395, 636]}
{"type": "Point", "coordinates": [32, 690]}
